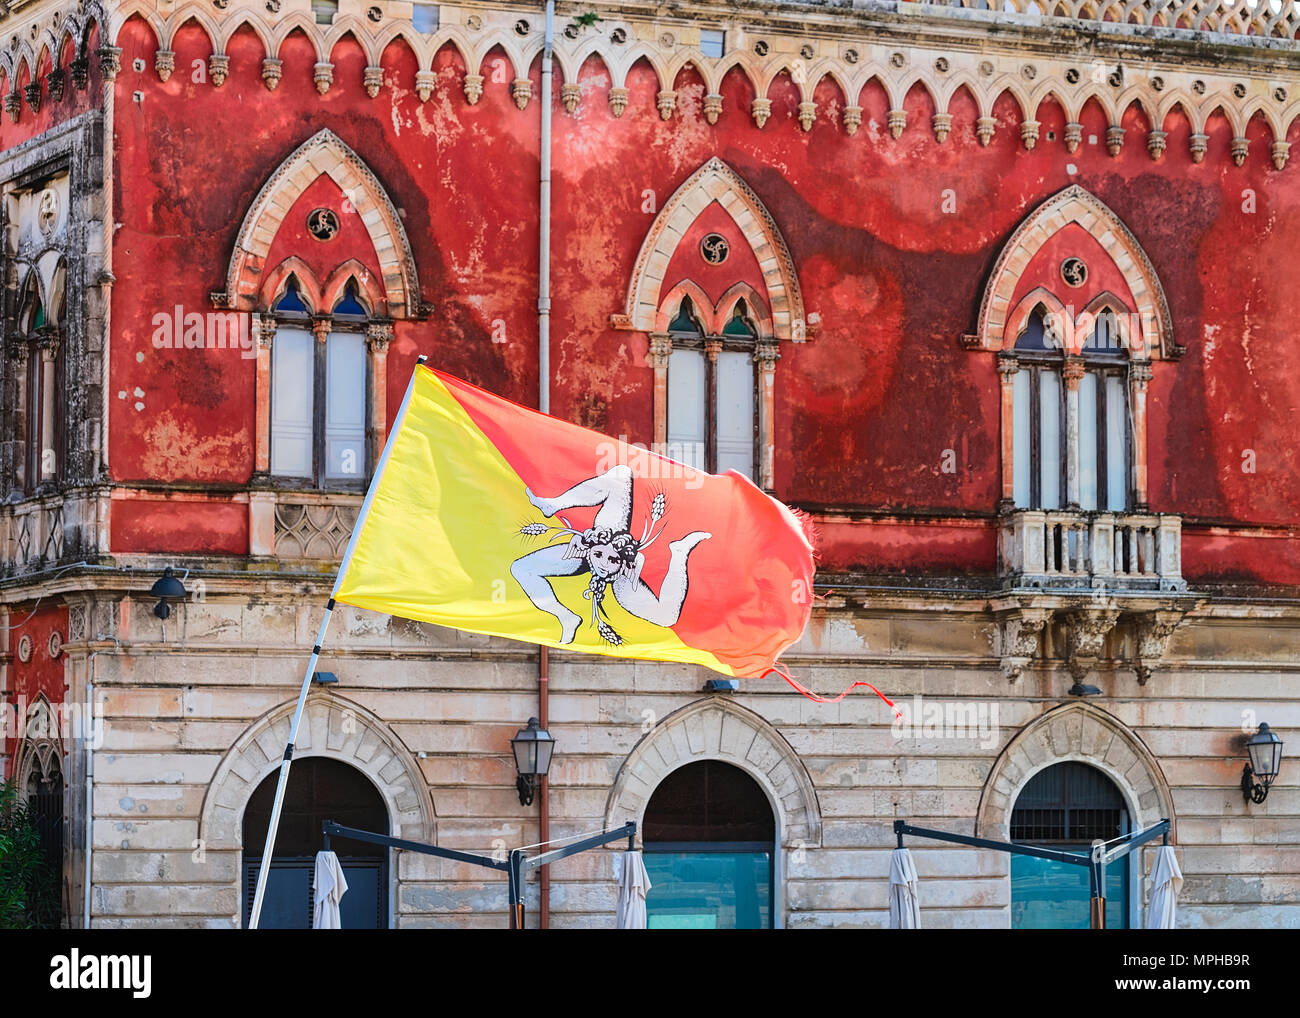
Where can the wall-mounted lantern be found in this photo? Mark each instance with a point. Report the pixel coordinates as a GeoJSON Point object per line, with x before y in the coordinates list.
{"type": "Point", "coordinates": [1264, 751]}
{"type": "Point", "coordinates": [166, 589]}
{"type": "Point", "coordinates": [533, 747]}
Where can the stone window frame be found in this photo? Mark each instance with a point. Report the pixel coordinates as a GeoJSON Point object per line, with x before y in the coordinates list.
{"type": "Point", "coordinates": [999, 325]}
{"type": "Point", "coordinates": [1070, 368]}
{"type": "Point", "coordinates": [778, 317]}
{"type": "Point", "coordinates": [713, 319]}
{"type": "Point", "coordinates": [378, 331]}
{"type": "Point", "coordinates": [254, 287]}
{"type": "Point", "coordinates": [71, 149]}
{"type": "Point", "coordinates": [40, 375]}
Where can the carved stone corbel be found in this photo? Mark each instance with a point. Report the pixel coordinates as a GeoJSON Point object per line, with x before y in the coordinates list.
{"type": "Point", "coordinates": [378, 335]}
{"type": "Point", "coordinates": [218, 68]}
{"type": "Point", "coordinates": [1086, 630]}
{"type": "Point", "coordinates": [272, 71]}
{"type": "Point", "coordinates": [661, 348]}
{"type": "Point", "coordinates": [1019, 631]}
{"type": "Point", "coordinates": [1152, 632]}
{"type": "Point", "coordinates": [323, 75]}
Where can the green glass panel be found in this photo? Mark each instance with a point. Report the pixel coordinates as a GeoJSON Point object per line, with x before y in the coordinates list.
{"type": "Point", "coordinates": [737, 326]}
{"type": "Point", "coordinates": [709, 890]}
{"type": "Point", "coordinates": [1047, 895]}
{"type": "Point", "coordinates": [685, 320]}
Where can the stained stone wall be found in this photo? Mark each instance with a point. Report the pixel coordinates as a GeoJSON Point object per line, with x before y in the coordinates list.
{"type": "Point", "coordinates": [426, 714]}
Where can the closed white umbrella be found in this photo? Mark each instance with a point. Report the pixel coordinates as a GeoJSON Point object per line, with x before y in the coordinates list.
{"type": "Point", "coordinates": [633, 886]}
{"type": "Point", "coordinates": [330, 886]}
{"type": "Point", "coordinates": [1166, 879]}
{"type": "Point", "coordinates": [904, 909]}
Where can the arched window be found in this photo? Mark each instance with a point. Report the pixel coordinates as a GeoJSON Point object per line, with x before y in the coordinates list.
{"type": "Point", "coordinates": [40, 330]}
{"type": "Point", "coordinates": [319, 385]}
{"type": "Point", "coordinates": [1067, 806]}
{"type": "Point", "coordinates": [319, 789]}
{"type": "Point", "coordinates": [709, 838]}
{"type": "Point", "coordinates": [712, 393]}
{"type": "Point", "coordinates": [1104, 428]}
{"type": "Point", "coordinates": [291, 302]}
{"type": "Point", "coordinates": [1070, 413]}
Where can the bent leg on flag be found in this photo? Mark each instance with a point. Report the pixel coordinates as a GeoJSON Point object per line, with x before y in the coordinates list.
{"type": "Point", "coordinates": [637, 598]}
{"type": "Point", "coordinates": [612, 491]}
{"type": "Point", "coordinates": [531, 572]}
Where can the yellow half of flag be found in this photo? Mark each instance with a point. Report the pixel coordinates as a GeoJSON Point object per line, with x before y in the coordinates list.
{"type": "Point", "coordinates": [441, 528]}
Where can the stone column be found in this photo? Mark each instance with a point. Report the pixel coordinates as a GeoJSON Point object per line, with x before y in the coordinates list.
{"type": "Point", "coordinates": [264, 333]}
{"type": "Point", "coordinates": [1072, 375]}
{"type": "Point", "coordinates": [661, 348]}
{"type": "Point", "coordinates": [1007, 368]}
{"type": "Point", "coordinates": [20, 353]}
{"type": "Point", "coordinates": [47, 468]}
{"type": "Point", "coordinates": [712, 347]}
{"type": "Point", "coordinates": [378, 335]}
{"type": "Point", "coordinates": [1139, 375]}
{"type": "Point", "coordinates": [765, 356]}
{"type": "Point", "coordinates": [261, 523]}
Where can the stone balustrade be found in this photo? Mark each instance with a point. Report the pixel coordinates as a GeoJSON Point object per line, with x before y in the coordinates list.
{"type": "Point", "coordinates": [1090, 550]}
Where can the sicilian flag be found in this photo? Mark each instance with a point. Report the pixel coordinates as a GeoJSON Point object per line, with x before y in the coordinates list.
{"type": "Point", "coordinates": [492, 518]}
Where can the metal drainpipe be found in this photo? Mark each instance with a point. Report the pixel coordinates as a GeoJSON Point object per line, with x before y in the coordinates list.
{"type": "Point", "coordinates": [543, 793]}
{"type": "Point", "coordinates": [544, 400]}
{"type": "Point", "coordinates": [544, 230]}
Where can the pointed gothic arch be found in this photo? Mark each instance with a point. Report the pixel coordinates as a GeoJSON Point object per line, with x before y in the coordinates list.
{"type": "Point", "coordinates": [323, 153]}
{"type": "Point", "coordinates": [715, 181]}
{"type": "Point", "coordinates": [1075, 205]}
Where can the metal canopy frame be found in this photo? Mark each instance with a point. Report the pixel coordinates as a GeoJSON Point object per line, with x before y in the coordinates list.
{"type": "Point", "coordinates": [516, 865]}
{"type": "Point", "coordinates": [1097, 859]}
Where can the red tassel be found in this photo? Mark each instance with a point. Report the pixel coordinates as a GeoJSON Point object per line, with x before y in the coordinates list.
{"type": "Point", "coordinates": [782, 671]}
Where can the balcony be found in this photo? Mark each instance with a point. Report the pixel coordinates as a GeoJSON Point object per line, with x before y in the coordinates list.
{"type": "Point", "coordinates": [1061, 550]}
{"type": "Point", "coordinates": [301, 525]}
{"type": "Point", "coordinates": [49, 530]}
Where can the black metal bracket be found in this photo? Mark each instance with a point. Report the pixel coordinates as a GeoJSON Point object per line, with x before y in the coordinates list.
{"type": "Point", "coordinates": [1251, 789]}
{"type": "Point", "coordinates": [1097, 858]}
{"type": "Point", "coordinates": [1127, 843]}
{"type": "Point", "coordinates": [516, 865]}
{"type": "Point", "coordinates": [332, 830]}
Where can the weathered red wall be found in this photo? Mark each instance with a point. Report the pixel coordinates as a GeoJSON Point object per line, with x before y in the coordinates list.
{"type": "Point", "coordinates": [43, 674]}
{"type": "Point", "coordinates": [865, 410]}
{"type": "Point", "coordinates": [181, 525]}
{"type": "Point", "coordinates": [75, 101]}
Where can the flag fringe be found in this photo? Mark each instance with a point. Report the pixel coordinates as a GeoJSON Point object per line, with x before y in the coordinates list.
{"type": "Point", "coordinates": [784, 672]}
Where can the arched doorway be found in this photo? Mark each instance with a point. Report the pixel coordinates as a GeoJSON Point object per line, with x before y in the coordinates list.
{"type": "Point", "coordinates": [42, 779]}
{"type": "Point", "coordinates": [1067, 806]}
{"type": "Point", "coordinates": [710, 843]}
{"type": "Point", "coordinates": [319, 789]}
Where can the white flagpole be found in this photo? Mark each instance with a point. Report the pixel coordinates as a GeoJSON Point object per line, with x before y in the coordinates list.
{"type": "Point", "coordinates": [265, 868]}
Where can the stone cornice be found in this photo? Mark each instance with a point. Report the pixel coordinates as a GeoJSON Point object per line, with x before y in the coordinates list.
{"type": "Point", "coordinates": [900, 44]}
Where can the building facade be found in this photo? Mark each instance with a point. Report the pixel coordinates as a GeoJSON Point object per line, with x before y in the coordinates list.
{"type": "Point", "coordinates": [1001, 299]}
